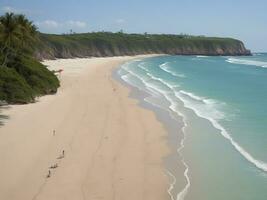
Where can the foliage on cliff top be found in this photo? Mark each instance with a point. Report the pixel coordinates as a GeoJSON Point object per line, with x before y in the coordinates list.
{"type": "Point", "coordinates": [110, 44]}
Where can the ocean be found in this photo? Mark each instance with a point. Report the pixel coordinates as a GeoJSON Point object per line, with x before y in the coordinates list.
{"type": "Point", "coordinates": [221, 149]}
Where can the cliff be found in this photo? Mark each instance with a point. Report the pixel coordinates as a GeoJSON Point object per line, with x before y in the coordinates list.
{"type": "Point", "coordinates": [104, 44]}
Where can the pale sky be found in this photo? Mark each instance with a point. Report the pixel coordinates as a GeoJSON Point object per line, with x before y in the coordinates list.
{"type": "Point", "coordinates": [242, 19]}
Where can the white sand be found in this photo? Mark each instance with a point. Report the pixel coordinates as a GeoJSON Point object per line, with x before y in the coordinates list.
{"type": "Point", "coordinates": [113, 148]}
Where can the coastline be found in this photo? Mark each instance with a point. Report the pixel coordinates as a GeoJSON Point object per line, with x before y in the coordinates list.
{"type": "Point", "coordinates": [113, 147]}
{"type": "Point", "coordinates": [205, 147]}
{"type": "Point", "coordinates": [175, 167]}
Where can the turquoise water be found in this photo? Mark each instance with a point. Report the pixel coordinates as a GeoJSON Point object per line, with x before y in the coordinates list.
{"type": "Point", "coordinates": [223, 104]}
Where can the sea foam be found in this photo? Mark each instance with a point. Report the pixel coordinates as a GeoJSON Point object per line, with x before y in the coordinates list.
{"type": "Point", "coordinates": [202, 56]}
{"type": "Point", "coordinates": [203, 107]}
{"type": "Point", "coordinates": [169, 95]}
{"type": "Point", "coordinates": [247, 62]}
{"type": "Point", "coordinates": [204, 112]}
{"type": "Point", "coordinates": [167, 69]}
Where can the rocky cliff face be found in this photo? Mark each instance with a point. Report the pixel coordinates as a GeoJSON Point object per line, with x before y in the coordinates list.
{"type": "Point", "coordinates": [57, 46]}
{"type": "Point", "coordinates": [239, 50]}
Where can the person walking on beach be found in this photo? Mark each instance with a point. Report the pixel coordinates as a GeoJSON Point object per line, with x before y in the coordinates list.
{"type": "Point", "coordinates": [49, 174]}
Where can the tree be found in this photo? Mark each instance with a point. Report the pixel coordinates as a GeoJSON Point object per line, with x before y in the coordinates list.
{"type": "Point", "coordinates": [28, 32]}
{"type": "Point", "coordinates": [16, 35]}
{"type": "Point", "coordinates": [9, 35]}
{"type": "Point", "coordinates": [22, 77]}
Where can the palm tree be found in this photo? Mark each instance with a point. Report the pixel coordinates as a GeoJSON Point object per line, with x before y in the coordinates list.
{"type": "Point", "coordinates": [28, 32]}
{"type": "Point", "coordinates": [9, 35]}
{"type": "Point", "coordinates": [17, 34]}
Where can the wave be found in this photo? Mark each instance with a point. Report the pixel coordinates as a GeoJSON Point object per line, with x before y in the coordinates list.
{"type": "Point", "coordinates": [247, 62]}
{"type": "Point", "coordinates": [202, 56]}
{"type": "Point", "coordinates": [146, 81]}
{"type": "Point", "coordinates": [205, 105]}
{"type": "Point", "coordinates": [183, 193]}
{"type": "Point", "coordinates": [210, 109]}
{"type": "Point", "coordinates": [167, 84]}
{"type": "Point", "coordinates": [172, 184]}
{"type": "Point", "coordinates": [203, 113]}
{"type": "Point", "coordinates": [166, 68]}
{"type": "Point", "coordinates": [257, 54]}
{"type": "Point", "coordinates": [172, 107]}
{"type": "Point", "coordinates": [128, 79]}
{"type": "Point", "coordinates": [153, 77]}
{"type": "Point", "coordinates": [148, 86]}
{"type": "Point", "coordinates": [142, 66]}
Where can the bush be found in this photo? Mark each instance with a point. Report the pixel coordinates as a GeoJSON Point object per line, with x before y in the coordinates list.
{"type": "Point", "coordinates": [13, 87]}
{"type": "Point", "coordinates": [39, 78]}
{"type": "Point", "coordinates": [24, 78]}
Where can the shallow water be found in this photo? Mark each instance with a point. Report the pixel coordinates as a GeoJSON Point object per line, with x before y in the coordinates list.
{"type": "Point", "coordinates": [222, 101]}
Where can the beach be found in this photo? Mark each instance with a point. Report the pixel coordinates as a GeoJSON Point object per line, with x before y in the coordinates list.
{"type": "Point", "coordinates": [88, 141]}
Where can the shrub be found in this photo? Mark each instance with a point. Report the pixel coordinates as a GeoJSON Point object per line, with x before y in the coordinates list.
{"type": "Point", "coordinates": [13, 87]}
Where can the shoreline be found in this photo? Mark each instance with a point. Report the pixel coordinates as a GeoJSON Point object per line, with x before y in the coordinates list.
{"type": "Point", "coordinates": [113, 147]}
{"type": "Point", "coordinates": [167, 80]}
{"type": "Point", "coordinates": [174, 164]}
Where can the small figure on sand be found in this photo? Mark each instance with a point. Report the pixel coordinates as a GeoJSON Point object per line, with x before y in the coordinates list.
{"type": "Point", "coordinates": [54, 132]}
{"type": "Point", "coordinates": [49, 174]}
{"type": "Point", "coordinates": [54, 166]}
{"type": "Point", "coordinates": [62, 155]}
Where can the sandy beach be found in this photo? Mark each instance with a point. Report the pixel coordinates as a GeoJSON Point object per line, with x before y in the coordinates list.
{"type": "Point", "coordinates": [113, 149]}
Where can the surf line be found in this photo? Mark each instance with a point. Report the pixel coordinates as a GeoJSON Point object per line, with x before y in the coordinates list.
{"type": "Point", "coordinates": [184, 191]}
{"type": "Point", "coordinates": [181, 195]}
{"type": "Point", "coordinates": [257, 163]}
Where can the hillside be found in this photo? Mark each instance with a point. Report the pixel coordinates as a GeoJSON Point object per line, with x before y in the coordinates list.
{"type": "Point", "coordinates": [23, 77]}
{"type": "Point", "coordinates": [116, 44]}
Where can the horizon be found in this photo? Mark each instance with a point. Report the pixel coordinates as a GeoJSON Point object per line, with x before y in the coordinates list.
{"type": "Point", "coordinates": [244, 21]}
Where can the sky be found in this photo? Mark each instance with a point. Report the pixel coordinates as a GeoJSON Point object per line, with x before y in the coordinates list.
{"type": "Point", "coordinates": [241, 19]}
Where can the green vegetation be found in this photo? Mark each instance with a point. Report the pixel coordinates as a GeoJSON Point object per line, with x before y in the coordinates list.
{"type": "Point", "coordinates": [115, 44]}
{"type": "Point", "coordinates": [22, 77]}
